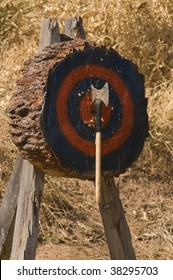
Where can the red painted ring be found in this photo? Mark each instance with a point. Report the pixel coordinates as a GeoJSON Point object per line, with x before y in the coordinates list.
{"type": "Point", "coordinates": [118, 139]}
{"type": "Point", "coordinates": [85, 111]}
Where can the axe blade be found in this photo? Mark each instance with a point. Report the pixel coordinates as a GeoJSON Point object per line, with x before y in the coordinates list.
{"type": "Point", "coordinates": [101, 94]}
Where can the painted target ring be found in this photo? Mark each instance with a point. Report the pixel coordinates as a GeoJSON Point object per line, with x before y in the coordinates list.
{"type": "Point", "coordinates": [87, 111]}
{"type": "Point", "coordinates": [68, 115]}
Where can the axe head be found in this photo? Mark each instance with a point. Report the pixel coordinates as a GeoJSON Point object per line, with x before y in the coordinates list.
{"type": "Point", "coordinates": [100, 94]}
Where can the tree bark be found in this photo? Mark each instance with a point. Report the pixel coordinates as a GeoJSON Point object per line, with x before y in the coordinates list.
{"type": "Point", "coordinates": [27, 104]}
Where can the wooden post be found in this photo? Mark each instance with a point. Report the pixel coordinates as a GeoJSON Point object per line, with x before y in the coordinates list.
{"type": "Point", "coordinates": [49, 33]}
{"type": "Point", "coordinates": [115, 224]}
{"type": "Point", "coordinates": [27, 223]}
{"type": "Point", "coordinates": [19, 210]}
{"type": "Point", "coordinates": [74, 28]}
{"type": "Point", "coordinates": [32, 180]}
{"type": "Point", "coordinates": [8, 210]}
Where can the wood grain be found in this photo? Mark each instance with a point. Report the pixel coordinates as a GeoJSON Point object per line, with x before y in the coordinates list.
{"type": "Point", "coordinates": [8, 210]}
{"type": "Point", "coordinates": [115, 224]}
{"type": "Point", "coordinates": [27, 222]}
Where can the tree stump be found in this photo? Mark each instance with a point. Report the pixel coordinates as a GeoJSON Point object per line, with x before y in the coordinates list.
{"type": "Point", "coordinates": [52, 116]}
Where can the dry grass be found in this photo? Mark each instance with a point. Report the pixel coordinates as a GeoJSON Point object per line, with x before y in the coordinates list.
{"type": "Point", "coordinates": [67, 208]}
{"type": "Point", "coordinates": [150, 217]}
{"type": "Point", "coordinates": [139, 30]}
{"type": "Point", "coordinates": [7, 153]}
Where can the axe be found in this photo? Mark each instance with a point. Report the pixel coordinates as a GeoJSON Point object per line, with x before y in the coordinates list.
{"type": "Point", "coordinates": [99, 96]}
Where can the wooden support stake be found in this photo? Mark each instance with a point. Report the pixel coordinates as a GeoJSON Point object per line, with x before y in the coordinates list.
{"type": "Point", "coordinates": [74, 28]}
{"type": "Point", "coordinates": [8, 210]}
{"type": "Point", "coordinates": [49, 33]}
{"type": "Point", "coordinates": [32, 180]}
{"type": "Point", "coordinates": [27, 223]}
{"type": "Point", "coordinates": [115, 224]}
{"type": "Point", "coordinates": [21, 202]}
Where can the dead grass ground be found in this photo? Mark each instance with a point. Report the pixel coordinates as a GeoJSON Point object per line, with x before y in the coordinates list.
{"type": "Point", "coordinates": [70, 225]}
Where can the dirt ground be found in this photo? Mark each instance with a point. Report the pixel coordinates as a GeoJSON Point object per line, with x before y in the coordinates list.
{"type": "Point", "coordinates": [78, 233]}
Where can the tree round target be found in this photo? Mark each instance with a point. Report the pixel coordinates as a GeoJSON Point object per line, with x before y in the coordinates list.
{"type": "Point", "coordinates": [69, 115]}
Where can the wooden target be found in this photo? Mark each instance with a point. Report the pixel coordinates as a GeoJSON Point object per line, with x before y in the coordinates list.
{"type": "Point", "coordinates": [68, 117]}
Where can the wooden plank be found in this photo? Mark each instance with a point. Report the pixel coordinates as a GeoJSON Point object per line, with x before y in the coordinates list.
{"type": "Point", "coordinates": [115, 224]}
{"type": "Point", "coordinates": [74, 28]}
{"type": "Point", "coordinates": [49, 33]}
{"type": "Point", "coordinates": [32, 180]}
{"type": "Point", "coordinates": [8, 210]}
{"type": "Point", "coordinates": [27, 223]}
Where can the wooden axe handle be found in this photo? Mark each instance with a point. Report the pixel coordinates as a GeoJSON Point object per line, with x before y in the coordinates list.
{"type": "Point", "coordinates": [98, 167]}
{"type": "Point", "coordinates": [98, 151]}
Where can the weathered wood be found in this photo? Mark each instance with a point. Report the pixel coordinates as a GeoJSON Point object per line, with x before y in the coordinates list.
{"type": "Point", "coordinates": [74, 28]}
{"type": "Point", "coordinates": [27, 223]}
{"type": "Point", "coordinates": [32, 180]}
{"type": "Point", "coordinates": [115, 224]}
{"type": "Point", "coordinates": [8, 209]}
{"type": "Point", "coordinates": [49, 33]}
